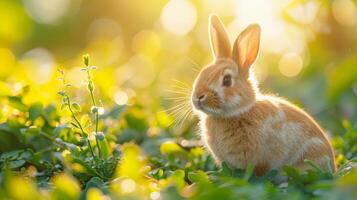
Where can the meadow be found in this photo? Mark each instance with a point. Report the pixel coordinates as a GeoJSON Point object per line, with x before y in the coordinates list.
{"type": "Point", "coordinates": [95, 97]}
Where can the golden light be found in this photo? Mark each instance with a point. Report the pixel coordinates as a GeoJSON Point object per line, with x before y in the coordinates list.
{"type": "Point", "coordinates": [21, 188]}
{"type": "Point", "coordinates": [15, 25]}
{"type": "Point", "coordinates": [290, 64]}
{"type": "Point", "coordinates": [155, 195]}
{"type": "Point", "coordinates": [48, 12]}
{"type": "Point", "coordinates": [67, 184]}
{"type": "Point", "coordinates": [146, 42]}
{"type": "Point", "coordinates": [345, 12]}
{"type": "Point", "coordinates": [38, 64]}
{"type": "Point", "coordinates": [260, 72]}
{"type": "Point", "coordinates": [105, 41]}
{"type": "Point", "coordinates": [101, 110]}
{"type": "Point", "coordinates": [127, 186]}
{"type": "Point", "coordinates": [94, 194]}
{"type": "Point", "coordinates": [221, 9]}
{"type": "Point", "coordinates": [304, 12]}
{"type": "Point", "coordinates": [121, 98]}
{"type": "Point", "coordinates": [76, 77]}
{"type": "Point", "coordinates": [278, 36]}
{"type": "Point", "coordinates": [7, 61]}
{"type": "Point", "coordinates": [103, 28]}
{"type": "Point", "coordinates": [106, 50]}
{"type": "Point", "coordinates": [139, 71]}
{"type": "Point", "coordinates": [178, 17]}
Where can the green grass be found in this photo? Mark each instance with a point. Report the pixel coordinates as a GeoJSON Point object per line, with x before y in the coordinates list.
{"type": "Point", "coordinates": [73, 152]}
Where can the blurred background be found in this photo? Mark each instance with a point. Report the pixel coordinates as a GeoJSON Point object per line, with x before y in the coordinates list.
{"type": "Point", "coordinates": [308, 51]}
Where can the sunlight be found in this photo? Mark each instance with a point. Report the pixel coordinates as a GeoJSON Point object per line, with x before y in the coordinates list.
{"type": "Point", "coordinates": [277, 35]}
{"type": "Point", "coordinates": [15, 25]}
{"type": "Point", "coordinates": [38, 64]}
{"type": "Point", "coordinates": [267, 15]}
{"type": "Point", "coordinates": [48, 12]}
{"type": "Point", "coordinates": [345, 12]}
{"type": "Point", "coordinates": [178, 17]}
{"type": "Point", "coordinates": [304, 13]}
{"type": "Point", "coordinates": [127, 186]}
{"type": "Point", "coordinates": [7, 58]}
{"type": "Point", "coordinates": [76, 77]}
{"type": "Point", "coordinates": [101, 110]}
{"type": "Point", "coordinates": [94, 194]}
{"type": "Point", "coordinates": [290, 64]}
{"type": "Point", "coordinates": [155, 195]}
{"type": "Point", "coordinates": [121, 98]}
{"type": "Point", "coordinates": [22, 188]}
{"type": "Point", "coordinates": [147, 42]}
{"type": "Point", "coordinates": [139, 71]}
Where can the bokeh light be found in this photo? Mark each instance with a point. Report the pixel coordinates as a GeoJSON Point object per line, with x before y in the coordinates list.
{"type": "Point", "coordinates": [345, 12]}
{"type": "Point", "coordinates": [76, 77]}
{"type": "Point", "coordinates": [305, 12]}
{"type": "Point", "coordinates": [290, 64]}
{"type": "Point", "coordinates": [178, 17]}
{"type": "Point", "coordinates": [146, 42]}
{"type": "Point", "coordinates": [38, 64]}
{"type": "Point", "coordinates": [127, 185]}
{"type": "Point", "coordinates": [147, 55]}
{"type": "Point", "coordinates": [155, 195]}
{"type": "Point", "coordinates": [15, 24]}
{"type": "Point", "coordinates": [121, 98]}
{"type": "Point", "coordinates": [48, 12]}
{"type": "Point", "coordinates": [138, 71]}
{"type": "Point", "coordinates": [7, 61]}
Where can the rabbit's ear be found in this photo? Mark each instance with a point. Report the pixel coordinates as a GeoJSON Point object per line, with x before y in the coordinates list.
{"type": "Point", "coordinates": [246, 47]}
{"type": "Point", "coordinates": [220, 44]}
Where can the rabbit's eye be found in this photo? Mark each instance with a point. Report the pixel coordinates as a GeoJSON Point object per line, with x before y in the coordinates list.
{"type": "Point", "coordinates": [227, 80]}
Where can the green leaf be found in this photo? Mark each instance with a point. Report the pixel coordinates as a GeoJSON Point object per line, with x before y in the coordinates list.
{"type": "Point", "coordinates": [342, 77]}
{"type": "Point", "coordinates": [35, 111]}
{"type": "Point", "coordinates": [76, 107]}
{"type": "Point", "coordinates": [15, 159]}
{"type": "Point", "coordinates": [59, 129]}
{"type": "Point", "coordinates": [86, 60]}
{"type": "Point", "coordinates": [95, 182]}
{"type": "Point", "coordinates": [103, 144]}
{"type": "Point", "coordinates": [170, 147]}
{"type": "Point", "coordinates": [62, 93]}
{"type": "Point", "coordinates": [85, 120]}
{"type": "Point", "coordinates": [63, 106]}
{"type": "Point", "coordinates": [292, 172]}
{"type": "Point", "coordinates": [16, 102]}
{"type": "Point", "coordinates": [90, 86]}
{"type": "Point", "coordinates": [198, 176]}
{"type": "Point", "coordinates": [226, 170]}
{"type": "Point", "coordinates": [248, 172]}
{"type": "Point", "coordinates": [157, 173]}
{"type": "Point", "coordinates": [74, 124]}
{"type": "Point", "coordinates": [16, 164]}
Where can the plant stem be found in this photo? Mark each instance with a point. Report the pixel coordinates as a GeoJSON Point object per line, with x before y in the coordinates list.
{"type": "Point", "coordinates": [96, 113]}
{"type": "Point", "coordinates": [50, 138]}
{"type": "Point", "coordinates": [79, 124]}
{"type": "Point", "coordinates": [90, 147]}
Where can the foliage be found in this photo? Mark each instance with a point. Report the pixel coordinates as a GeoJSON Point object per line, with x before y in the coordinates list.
{"type": "Point", "coordinates": [122, 131]}
{"type": "Point", "coordinates": [60, 159]}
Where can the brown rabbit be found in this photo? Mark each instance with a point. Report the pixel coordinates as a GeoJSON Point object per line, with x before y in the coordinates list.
{"type": "Point", "coordinates": [241, 126]}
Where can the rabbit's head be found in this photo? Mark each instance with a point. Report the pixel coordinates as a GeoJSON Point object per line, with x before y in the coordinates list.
{"type": "Point", "coordinates": [223, 88]}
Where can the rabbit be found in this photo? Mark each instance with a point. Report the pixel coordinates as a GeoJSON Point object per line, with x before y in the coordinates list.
{"type": "Point", "coordinates": [239, 125]}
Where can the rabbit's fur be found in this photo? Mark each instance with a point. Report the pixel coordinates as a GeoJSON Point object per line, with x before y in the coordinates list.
{"type": "Point", "coordinates": [241, 126]}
